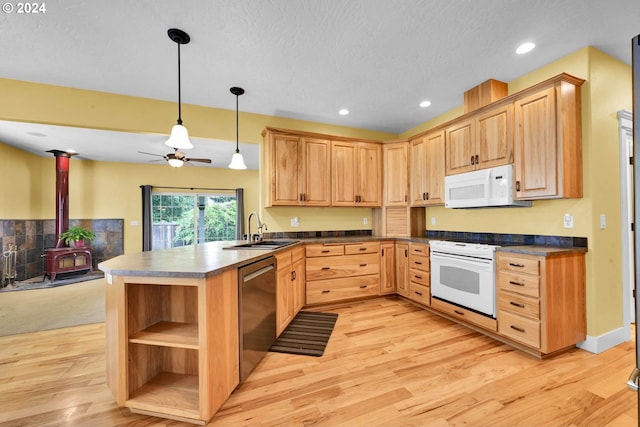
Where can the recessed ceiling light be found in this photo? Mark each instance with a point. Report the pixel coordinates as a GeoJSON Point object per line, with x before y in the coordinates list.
{"type": "Point", "coordinates": [425, 104]}
{"type": "Point", "coordinates": [525, 47]}
{"type": "Point", "coordinates": [343, 112]}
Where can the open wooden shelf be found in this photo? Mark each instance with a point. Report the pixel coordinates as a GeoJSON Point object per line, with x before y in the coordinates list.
{"type": "Point", "coordinates": [176, 394]}
{"type": "Point", "coordinates": [168, 334]}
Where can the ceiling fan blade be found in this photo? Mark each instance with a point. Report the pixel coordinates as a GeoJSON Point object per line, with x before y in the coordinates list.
{"type": "Point", "coordinates": [151, 154]}
{"type": "Point", "coordinates": [198, 160]}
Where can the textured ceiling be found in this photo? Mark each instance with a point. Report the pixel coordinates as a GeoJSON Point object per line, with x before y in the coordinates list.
{"type": "Point", "coordinates": [306, 59]}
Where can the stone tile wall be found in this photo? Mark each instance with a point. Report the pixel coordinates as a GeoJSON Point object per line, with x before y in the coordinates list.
{"type": "Point", "coordinates": [32, 237]}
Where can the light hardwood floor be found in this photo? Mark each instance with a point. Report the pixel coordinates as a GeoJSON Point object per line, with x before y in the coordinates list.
{"type": "Point", "coordinates": [388, 363]}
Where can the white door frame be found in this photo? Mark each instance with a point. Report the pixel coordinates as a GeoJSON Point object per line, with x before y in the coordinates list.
{"type": "Point", "coordinates": [625, 128]}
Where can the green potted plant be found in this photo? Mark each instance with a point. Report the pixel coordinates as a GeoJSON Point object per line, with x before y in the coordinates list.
{"type": "Point", "coordinates": [77, 235]}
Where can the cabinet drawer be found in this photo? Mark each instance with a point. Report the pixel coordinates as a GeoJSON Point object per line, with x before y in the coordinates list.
{"type": "Point", "coordinates": [418, 262]}
{"type": "Point", "coordinates": [520, 283]}
{"type": "Point", "coordinates": [466, 315]}
{"type": "Point", "coordinates": [322, 291]}
{"type": "Point", "coordinates": [297, 253]}
{"type": "Point", "coordinates": [324, 250]}
{"type": "Point", "coordinates": [419, 249]}
{"type": "Point", "coordinates": [518, 304]}
{"type": "Point", "coordinates": [519, 328]}
{"type": "Point", "coordinates": [519, 264]}
{"type": "Point", "coordinates": [419, 277]}
{"type": "Point", "coordinates": [419, 293]}
{"type": "Point", "coordinates": [362, 248]}
{"type": "Point", "coordinates": [342, 266]}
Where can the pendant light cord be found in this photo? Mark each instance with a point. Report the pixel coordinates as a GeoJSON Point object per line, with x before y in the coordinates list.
{"type": "Point", "coordinates": [179, 91]}
{"type": "Point", "coordinates": [237, 132]}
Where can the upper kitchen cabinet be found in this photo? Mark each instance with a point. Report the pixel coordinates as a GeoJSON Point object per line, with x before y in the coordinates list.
{"type": "Point", "coordinates": [480, 141]}
{"type": "Point", "coordinates": [356, 174]}
{"type": "Point", "coordinates": [548, 142]}
{"type": "Point", "coordinates": [297, 169]}
{"type": "Point", "coordinates": [427, 169]}
{"type": "Point", "coordinates": [396, 173]}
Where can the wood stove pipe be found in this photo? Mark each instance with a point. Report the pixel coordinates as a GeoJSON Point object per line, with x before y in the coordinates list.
{"type": "Point", "coordinates": [62, 193]}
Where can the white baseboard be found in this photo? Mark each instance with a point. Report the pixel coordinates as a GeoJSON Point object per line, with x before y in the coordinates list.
{"type": "Point", "coordinates": [606, 341]}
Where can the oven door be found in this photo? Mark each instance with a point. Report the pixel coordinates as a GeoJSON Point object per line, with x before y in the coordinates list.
{"type": "Point", "coordinates": [466, 281]}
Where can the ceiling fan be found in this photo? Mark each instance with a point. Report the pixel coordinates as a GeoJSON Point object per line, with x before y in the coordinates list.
{"type": "Point", "coordinates": [177, 158]}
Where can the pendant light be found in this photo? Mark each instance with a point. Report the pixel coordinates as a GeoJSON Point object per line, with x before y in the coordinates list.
{"type": "Point", "coordinates": [179, 138]}
{"type": "Point", "coordinates": [237, 161]}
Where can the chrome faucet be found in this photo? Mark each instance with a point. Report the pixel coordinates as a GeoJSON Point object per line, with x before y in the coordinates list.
{"type": "Point", "coordinates": [261, 226]}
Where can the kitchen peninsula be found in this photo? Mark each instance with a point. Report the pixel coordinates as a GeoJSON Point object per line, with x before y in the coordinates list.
{"type": "Point", "coordinates": [172, 330]}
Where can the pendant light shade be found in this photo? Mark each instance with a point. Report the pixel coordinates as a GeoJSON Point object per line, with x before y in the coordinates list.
{"type": "Point", "coordinates": [179, 138]}
{"type": "Point", "coordinates": [237, 161]}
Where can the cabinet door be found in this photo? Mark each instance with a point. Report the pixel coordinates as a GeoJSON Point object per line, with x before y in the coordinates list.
{"type": "Point", "coordinates": [418, 172]}
{"type": "Point", "coordinates": [369, 167]}
{"type": "Point", "coordinates": [460, 147]}
{"type": "Point", "coordinates": [494, 137]}
{"type": "Point", "coordinates": [396, 179]}
{"type": "Point", "coordinates": [298, 282]}
{"type": "Point", "coordinates": [343, 171]}
{"type": "Point", "coordinates": [387, 268]}
{"type": "Point", "coordinates": [285, 167]}
{"type": "Point", "coordinates": [284, 299]}
{"type": "Point", "coordinates": [315, 174]}
{"type": "Point", "coordinates": [402, 268]}
{"type": "Point", "coordinates": [535, 145]}
{"type": "Point", "coordinates": [435, 168]}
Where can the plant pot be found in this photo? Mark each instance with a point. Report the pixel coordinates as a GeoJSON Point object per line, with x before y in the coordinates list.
{"type": "Point", "coordinates": [78, 244]}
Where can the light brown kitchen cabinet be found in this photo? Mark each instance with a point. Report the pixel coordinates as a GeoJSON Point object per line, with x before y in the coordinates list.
{"type": "Point", "coordinates": [402, 268]}
{"type": "Point", "coordinates": [172, 344]}
{"type": "Point", "coordinates": [356, 174]}
{"type": "Point", "coordinates": [387, 268]}
{"type": "Point", "coordinates": [548, 142]}
{"type": "Point", "coordinates": [297, 170]}
{"type": "Point", "coordinates": [419, 273]}
{"type": "Point", "coordinates": [290, 286]}
{"type": "Point", "coordinates": [427, 169]}
{"type": "Point", "coordinates": [480, 141]}
{"type": "Point", "coordinates": [396, 173]}
{"type": "Point", "coordinates": [541, 300]}
{"type": "Point", "coordinates": [340, 272]}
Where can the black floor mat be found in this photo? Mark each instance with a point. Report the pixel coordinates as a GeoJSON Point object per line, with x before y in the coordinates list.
{"type": "Point", "coordinates": [307, 334]}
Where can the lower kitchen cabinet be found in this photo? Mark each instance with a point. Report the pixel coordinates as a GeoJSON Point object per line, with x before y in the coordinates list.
{"type": "Point", "coordinates": [541, 300]}
{"type": "Point", "coordinates": [338, 272]}
{"type": "Point", "coordinates": [290, 286]}
{"type": "Point", "coordinates": [172, 344]}
{"type": "Point", "coordinates": [387, 268]}
{"type": "Point", "coordinates": [402, 269]}
{"type": "Point", "coordinates": [419, 273]}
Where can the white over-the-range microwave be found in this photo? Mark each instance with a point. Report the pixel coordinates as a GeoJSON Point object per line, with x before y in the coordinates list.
{"type": "Point", "coordinates": [493, 187]}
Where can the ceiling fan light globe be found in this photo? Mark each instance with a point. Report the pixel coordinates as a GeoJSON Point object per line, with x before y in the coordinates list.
{"type": "Point", "coordinates": [176, 163]}
{"type": "Point", "coordinates": [237, 162]}
{"type": "Point", "coordinates": [179, 138]}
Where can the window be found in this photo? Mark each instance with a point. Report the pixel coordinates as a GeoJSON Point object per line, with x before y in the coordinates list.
{"type": "Point", "coordinates": [180, 219]}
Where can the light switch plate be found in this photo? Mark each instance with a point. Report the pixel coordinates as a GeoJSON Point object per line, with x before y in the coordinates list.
{"type": "Point", "coordinates": [603, 221]}
{"type": "Point", "coordinates": [568, 220]}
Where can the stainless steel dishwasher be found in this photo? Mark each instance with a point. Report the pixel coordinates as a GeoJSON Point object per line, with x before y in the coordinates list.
{"type": "Point", "coordinates": [257, 288]}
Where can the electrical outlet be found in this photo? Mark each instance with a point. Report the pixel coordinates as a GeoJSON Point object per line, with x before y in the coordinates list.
{"type": "Point", "coordinates": [294, 221]}
{"type": "Point", "coordinates": [568, 220]}
{"type": "Point", "coordinates": [365, 220]}
{"type": "Point", "coordinates": [433, 220]}
{"type": "Point", "coordinates": [134, 223]}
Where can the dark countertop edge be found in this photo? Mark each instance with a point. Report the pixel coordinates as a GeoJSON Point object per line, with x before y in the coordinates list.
{"type": "Point", "coordinates": [252, 255]}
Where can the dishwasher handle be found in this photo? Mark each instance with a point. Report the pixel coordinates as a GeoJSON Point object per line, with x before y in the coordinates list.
{"type": "Point", "coordinates": [257, 273]}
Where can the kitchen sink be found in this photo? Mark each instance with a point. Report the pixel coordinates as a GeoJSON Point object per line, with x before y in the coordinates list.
{"type": "Point", "coordinates": [264, 244]}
